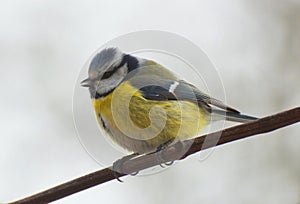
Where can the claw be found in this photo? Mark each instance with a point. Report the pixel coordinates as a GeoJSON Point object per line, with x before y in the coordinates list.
{"type": "Point", "coordinates": [163, 164]}
{"type": "Point", "coordinates": [169, 163]}
{"type": "Point", "coordinates": [134, 173]}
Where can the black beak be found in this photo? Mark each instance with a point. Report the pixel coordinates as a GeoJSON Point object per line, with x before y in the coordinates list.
{"type": "Point", "coordinates": [86, 83]}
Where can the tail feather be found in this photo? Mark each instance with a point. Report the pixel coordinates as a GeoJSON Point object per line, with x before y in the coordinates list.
{"type": "Point", "coordinates": [231, 116]}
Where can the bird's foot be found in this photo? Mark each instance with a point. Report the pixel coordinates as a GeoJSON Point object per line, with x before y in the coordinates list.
{"type": "Point", "coordinates": [160, 157]}
{"type": "Point", "coordinates": [117, 167]}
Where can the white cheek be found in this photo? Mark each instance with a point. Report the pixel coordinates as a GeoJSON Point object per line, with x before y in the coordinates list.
{"type": "Point", "coordinates": [122, 71]}
{"type": "Point", "coordinates": [110, 83]}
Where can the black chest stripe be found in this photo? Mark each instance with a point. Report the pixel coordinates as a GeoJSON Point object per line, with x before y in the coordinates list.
{"type": "Point", "coordinates": [103, 122]}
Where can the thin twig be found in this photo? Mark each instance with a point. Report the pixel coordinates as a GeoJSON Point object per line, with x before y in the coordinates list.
{"type": "Point", "coordinates": [262, 125]}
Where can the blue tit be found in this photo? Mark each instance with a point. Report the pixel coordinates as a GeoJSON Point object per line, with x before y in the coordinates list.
{"type": "Point", "coordinates": [142, 105]}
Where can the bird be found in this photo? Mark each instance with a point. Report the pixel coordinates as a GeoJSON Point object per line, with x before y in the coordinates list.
{"type": "Point", "coordinates": [143, 106]}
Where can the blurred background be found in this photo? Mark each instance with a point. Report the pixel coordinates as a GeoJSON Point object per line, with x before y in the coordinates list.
{"type": "Point", "coordinates": [255, 46]}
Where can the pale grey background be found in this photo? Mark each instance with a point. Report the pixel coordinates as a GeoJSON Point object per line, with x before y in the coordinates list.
{"type": "Point", "coordinates": [43, 44]}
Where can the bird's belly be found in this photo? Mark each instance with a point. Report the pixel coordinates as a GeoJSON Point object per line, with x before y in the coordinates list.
{"type": "Point", "coordinates": [143, 125]}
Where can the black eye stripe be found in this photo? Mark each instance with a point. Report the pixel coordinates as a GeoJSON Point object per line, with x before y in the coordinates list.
{"type": "Point", "coordinates": [108, 74]}
{"type": "Point", "coordinates": [132, 63]}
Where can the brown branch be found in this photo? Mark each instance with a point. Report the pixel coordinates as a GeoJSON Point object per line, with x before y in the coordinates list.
{"type": "Point", "coordinates": [262, 125]}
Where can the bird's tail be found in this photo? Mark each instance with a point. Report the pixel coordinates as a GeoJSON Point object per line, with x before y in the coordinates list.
{"type": "Point", "coordinates": [217, 114]}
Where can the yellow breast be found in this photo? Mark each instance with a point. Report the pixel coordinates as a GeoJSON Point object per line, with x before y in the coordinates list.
{"type": "Point", "coordinates": [141, 125]}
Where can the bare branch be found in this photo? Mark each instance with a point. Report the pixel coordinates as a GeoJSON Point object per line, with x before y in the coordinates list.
{"type": "Point", "coordinates": [262, 125]}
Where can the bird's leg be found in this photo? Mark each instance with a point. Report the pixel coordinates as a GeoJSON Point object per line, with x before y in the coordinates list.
{"type": "Point", "coordinates": [117, 166]}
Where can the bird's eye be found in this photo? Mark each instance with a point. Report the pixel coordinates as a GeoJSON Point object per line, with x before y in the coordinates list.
{"type": "Point", "coordinates": [107, 74]}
